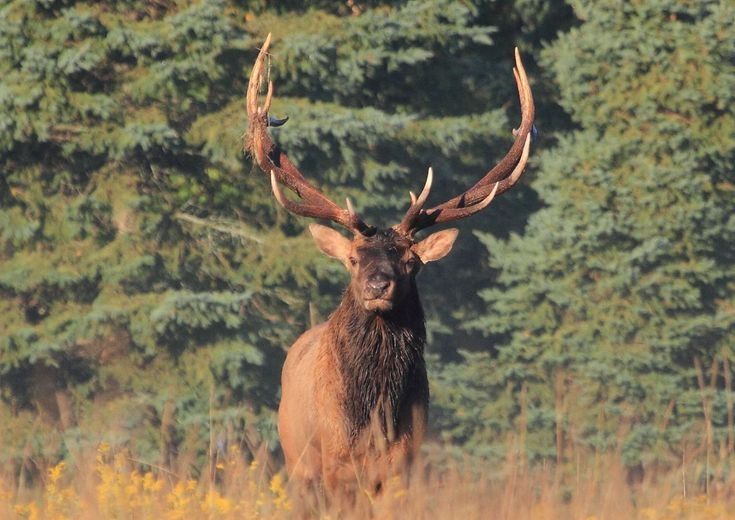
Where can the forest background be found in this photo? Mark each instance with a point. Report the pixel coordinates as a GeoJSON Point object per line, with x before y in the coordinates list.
{"type": "Point", "coordinates": [150, 285]}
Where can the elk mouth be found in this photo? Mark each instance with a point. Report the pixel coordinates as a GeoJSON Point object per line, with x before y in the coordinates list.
{"type": "Point", "coordinates": [379, 304]}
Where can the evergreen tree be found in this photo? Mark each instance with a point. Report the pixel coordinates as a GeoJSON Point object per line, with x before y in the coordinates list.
{"type": "Point", "coordinates": [123, 317]}
{"type": "Point", "coordinates": [149, 282]}
{"type": "Point", "coordinates": [611, 321]}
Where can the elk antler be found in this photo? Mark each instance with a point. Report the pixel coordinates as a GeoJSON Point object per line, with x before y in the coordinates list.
{"type": "Point", "coordinates": [273, 161]}
{"type": "Point", "coordinates": [498, 180]}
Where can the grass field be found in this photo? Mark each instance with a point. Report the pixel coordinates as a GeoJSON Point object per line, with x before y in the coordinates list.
{"type": "Point", "coordinates": [116, 485]}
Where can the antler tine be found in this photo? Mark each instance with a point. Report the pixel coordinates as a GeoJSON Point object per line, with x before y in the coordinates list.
{"type": "Point", "coordinates": [417, 204]}
{"type": "Point", "coordinates": [274, 162]}
{"type": "Point", "coordinates": [458, 213]}
{"type": "Point", "coordinates": [498, 188]}
{"type": "Point", "coordinates": [268, 98]}
{"type": "Point", "coordinates": [255, 78]}
{"type": "Point", "coordinates": [350, 208]}
{"type": "Point", "coordinates": [511, 179]}
{"type": "Point", "coordinates": [302, 209]}
{"type": "Point", "coordinates": [501, 177]}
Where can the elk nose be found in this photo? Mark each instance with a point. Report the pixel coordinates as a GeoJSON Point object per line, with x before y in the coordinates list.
{"type": "Point", "coordinates": [377, 284]}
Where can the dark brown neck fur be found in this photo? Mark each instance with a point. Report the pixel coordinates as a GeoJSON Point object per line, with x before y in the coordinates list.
{"type": "Point", "coordinates": [378, 356]}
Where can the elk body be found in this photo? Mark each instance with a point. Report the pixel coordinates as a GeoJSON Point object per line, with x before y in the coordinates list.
{"type": "Point", "coordinates": [355, 393]}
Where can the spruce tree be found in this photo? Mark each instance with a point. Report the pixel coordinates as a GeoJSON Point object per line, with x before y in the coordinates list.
{"type": "Point", "coordinates": [149, 283]}
{"type": "Point", "coordinates": [127, 314]}
{"type": "Point", "coordinates": [611, 324]}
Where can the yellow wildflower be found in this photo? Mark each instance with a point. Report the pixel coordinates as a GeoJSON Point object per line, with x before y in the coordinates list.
{"type": "Point", "coordinates": [280, 498]}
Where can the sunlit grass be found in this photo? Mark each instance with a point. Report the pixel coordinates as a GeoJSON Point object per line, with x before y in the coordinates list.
{"type": "Point", "coordinates": [114, 485]}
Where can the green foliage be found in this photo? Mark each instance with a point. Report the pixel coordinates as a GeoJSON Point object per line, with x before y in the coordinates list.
{"type": "Point", "coordinates": [108, 296]}
{"type": "Point", "coordinates": [149, 284]}
{"type": "Point", "coordinates": [612, 314]}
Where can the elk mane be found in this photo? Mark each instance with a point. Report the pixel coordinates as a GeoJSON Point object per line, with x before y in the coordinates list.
{"type": "Point", "coordinates": [378, 356]}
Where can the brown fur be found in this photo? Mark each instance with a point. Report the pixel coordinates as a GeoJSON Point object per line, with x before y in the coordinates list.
{"type": "Point", "coordinates": [354, 389]}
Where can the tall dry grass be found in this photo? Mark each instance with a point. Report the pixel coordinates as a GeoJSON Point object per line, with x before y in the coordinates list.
{"type": "Point", "coordinates": [109, 484]}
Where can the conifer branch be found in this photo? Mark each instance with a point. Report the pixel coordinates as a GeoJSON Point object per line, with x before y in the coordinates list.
{"type": "Point", "coordinates": [229, 229]}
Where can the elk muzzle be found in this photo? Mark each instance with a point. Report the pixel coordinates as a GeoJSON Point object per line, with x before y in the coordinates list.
{"type": "Point", "coordinates": [379, 291]}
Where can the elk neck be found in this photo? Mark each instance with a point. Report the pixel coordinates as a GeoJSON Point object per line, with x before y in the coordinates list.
{"type": "Point", "coordinates": [379, 357]}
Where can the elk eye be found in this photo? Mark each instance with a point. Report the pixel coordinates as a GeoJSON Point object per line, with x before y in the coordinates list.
{"type": "Point", "coordinates": [410, 264]}
{"type": "Point", "coordinates": [353, 260]}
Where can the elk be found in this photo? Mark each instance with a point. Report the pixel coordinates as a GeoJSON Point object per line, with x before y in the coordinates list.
{"type": "Point", "coordinates": [355, 392]}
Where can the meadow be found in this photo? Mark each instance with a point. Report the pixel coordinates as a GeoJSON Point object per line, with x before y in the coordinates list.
{"type": "Point", "coordinates": [113, 484]}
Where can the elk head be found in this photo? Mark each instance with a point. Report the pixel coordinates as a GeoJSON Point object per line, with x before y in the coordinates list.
{"type": "Point", "coordinates": [382, 263]}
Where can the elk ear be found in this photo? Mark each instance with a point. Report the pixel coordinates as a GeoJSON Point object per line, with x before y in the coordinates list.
{"type": "Point", "coordinates": [436, 246]}
{"type": "Point", "coordinates": [330, 241]}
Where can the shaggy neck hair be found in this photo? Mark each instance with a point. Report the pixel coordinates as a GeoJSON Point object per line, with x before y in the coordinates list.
{"type": "Point", "coordinates": [378, 355]}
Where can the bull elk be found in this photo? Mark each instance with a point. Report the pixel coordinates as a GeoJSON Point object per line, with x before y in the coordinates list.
{"type": "Point", "coordinates": [364, 366]}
